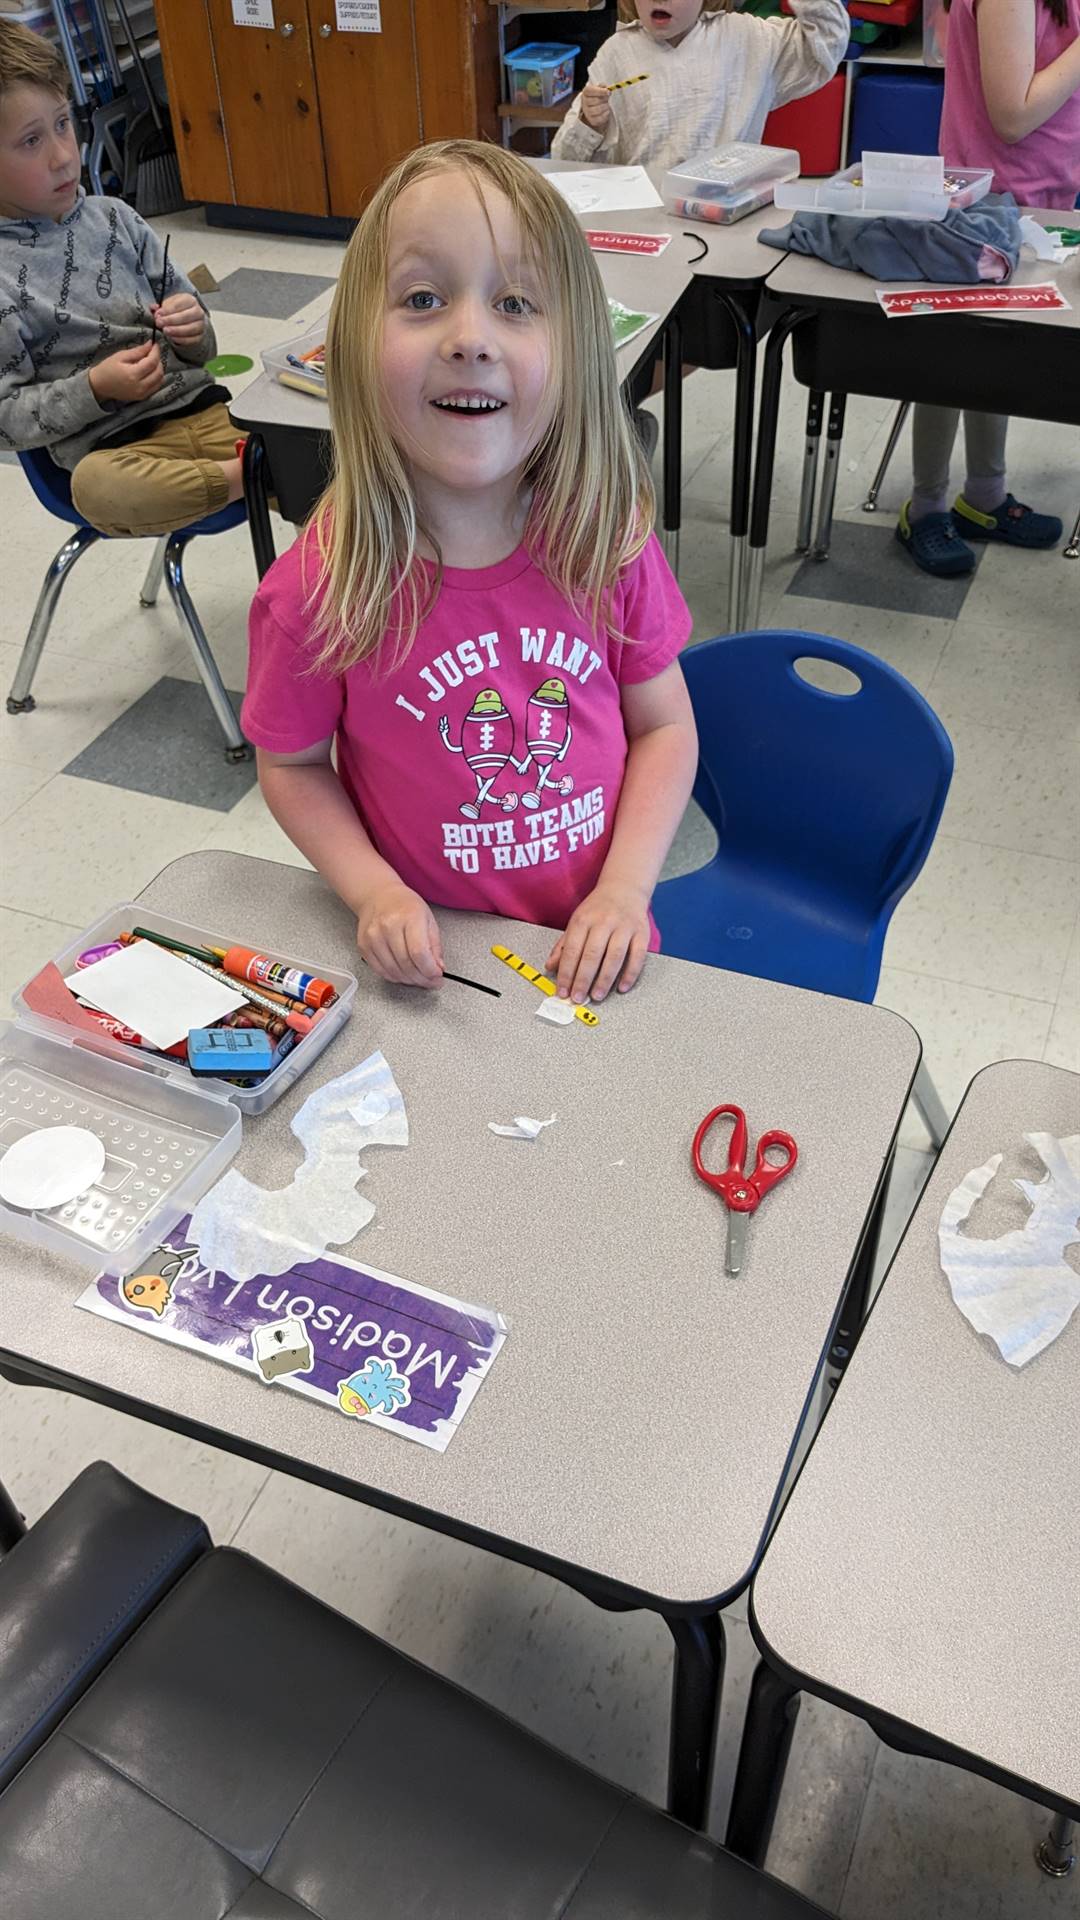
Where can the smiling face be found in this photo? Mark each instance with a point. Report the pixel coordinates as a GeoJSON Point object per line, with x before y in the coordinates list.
{"type": "Point", "coordinates": [671, 21]}
{"type": "Point", "coordinates": [39, 155]}
{"type": "Point", "coordinates": [466, 345]}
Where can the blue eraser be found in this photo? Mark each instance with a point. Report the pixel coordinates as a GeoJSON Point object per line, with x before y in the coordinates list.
{"type": "Point", "coordinates": [229, 1050]}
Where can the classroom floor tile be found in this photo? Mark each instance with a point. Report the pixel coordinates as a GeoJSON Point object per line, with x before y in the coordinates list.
{"type": "Point", "coordinates": [987, 917]}
{"type": "Point", "coordinates": [270, 296]}
{"type": "Point", "coordinates": [169, 743]}
{"type": "Point", "coordinates": [867, 566]}
{"type": "Point", "coordinates": [27, 941]}
{"type": "Point", "coordinates": [79, 847]}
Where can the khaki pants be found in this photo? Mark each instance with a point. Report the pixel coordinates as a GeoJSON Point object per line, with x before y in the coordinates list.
{"type": "Point", "coordinates": [156, 485]}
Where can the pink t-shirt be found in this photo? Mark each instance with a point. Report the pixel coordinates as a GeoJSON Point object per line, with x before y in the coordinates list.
{"type": "Point", "coordinates": [487, 768]}
{"type": "Point", "coordinates": [1042, 169]}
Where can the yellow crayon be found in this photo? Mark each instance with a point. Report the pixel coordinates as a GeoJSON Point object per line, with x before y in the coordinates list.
{"type": "Point", "coordinates": [632, 82]}
{"type": "Point", "coordinates": [584, 1014]}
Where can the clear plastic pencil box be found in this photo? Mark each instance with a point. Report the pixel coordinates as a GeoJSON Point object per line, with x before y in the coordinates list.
{"type": "Point", "coordinates": [848, 193]}
{"type": "Point", "coordinates": [276, 359]}
{"type": "Point", "coordinates": [168, 1137]}
{"type": "Point", "coordinates": [727, 183]}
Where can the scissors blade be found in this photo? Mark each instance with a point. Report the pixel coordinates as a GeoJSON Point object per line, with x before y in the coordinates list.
{"type": "Point", "coordinates": [736, 1242]}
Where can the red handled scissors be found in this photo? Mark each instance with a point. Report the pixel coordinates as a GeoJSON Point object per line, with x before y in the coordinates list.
{"type": "Point", "coordinates": [740, 1191]}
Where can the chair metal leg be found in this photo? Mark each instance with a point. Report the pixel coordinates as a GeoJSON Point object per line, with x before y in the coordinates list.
{"type": "Point", "coordinates": [929, 1103]}
{"type": "Point", "coordinates": [815, 408]}
{"type": "Point", "coordinates": [151, 586]}
{"type": "Point", "coordinates": [869, 505]}
{"type": "Point", "coordinates": [20, 699]}
{"type": "Point", "coordinates": [833, 442]}
{"type": "Point", "coordinates": [1056, 1852]}
{"type": "Point", "coordinates": [236, 747]}
{"type": "Point", "coordinates": [1072, 551]}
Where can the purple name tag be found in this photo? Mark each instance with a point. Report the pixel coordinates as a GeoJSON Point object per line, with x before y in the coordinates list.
{"type": "Point", "coordinates": [367, 1344]}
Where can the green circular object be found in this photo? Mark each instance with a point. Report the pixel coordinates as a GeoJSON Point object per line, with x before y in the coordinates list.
{"type": "Point", "coordinates": [226, 363]}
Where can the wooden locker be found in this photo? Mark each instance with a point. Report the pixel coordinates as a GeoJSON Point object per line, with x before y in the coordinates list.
{"type": "Point", "coordinates": [368, 100]}
{"type": "Point", "coordinates": [270, 105]}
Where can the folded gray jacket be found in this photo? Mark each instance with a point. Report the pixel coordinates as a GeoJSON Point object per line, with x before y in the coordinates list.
{"type": "Point", "coordinates": [959, 250]}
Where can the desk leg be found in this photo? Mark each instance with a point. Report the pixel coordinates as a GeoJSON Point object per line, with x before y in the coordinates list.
{"type": "Point", "coordinates": [1072, 551]}
{"type": "Point", "coordinates": [833, 442]}
{"type": "Point", "coordinates": [695, 1707]}
{"type": "Point", "coordinates": [12, 1524]}
{"type": "Point", "coordinates": [742, 312]}
{"type": "Point", "coordinates": [815, 408]}
{"type": "Point", "coordinates": [857, 1292]}
{"type": "Point", "coordinates": [673, 438]}
{"type": "Point", "coordinates": [766, 455]}
{"type": "Point", "coordinates": [770, 1722]}
{"type": "Point", "coordinates": [258, 503]}
{"type": "Point", "coordinates": [1056, 1852]}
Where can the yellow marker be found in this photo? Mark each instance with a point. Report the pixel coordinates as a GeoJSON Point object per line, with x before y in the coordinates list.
{"type": "Point", "coordinates": [584, 1014]}
{"type": "Point", "coordinates": [632, 82]}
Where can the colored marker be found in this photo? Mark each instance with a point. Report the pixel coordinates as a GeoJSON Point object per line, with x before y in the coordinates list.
{"type": "Point", "coordinates": [632, 82]}
{"type": "Point", "coordinates": [205, 954]}
{"type": "Point", "coordinates": [584, 1014]}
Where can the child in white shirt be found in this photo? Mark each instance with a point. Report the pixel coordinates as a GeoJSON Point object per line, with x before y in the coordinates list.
{"type": "Point", "coordinates": [713, 76]}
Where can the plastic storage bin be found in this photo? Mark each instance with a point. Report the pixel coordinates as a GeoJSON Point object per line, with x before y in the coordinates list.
{"type": "Point", "coordinates": [728, 182]}
{"type": "Point", "coordinates": [812, 126]}
{"type": "Point", "coordinates": [896, 111]}
{"type": "Point", "coordinates": [255, 1099]}
{"type": "Point", "coordinates": [540, 75]}
{"type": "Point", "coordinates": [165, 1146]}
{"type": "Point", "coordinates": [845, 193]}
{"type": "Point", "coordinates": [276, 358]}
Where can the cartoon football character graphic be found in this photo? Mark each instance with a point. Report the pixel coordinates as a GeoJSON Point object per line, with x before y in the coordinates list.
{"type": "Point", "coordinates": [150, 1290]}
{"type": "Point", "coordinates": [487, 741]}
{"type": "Point", "coordinates": [548, 735]}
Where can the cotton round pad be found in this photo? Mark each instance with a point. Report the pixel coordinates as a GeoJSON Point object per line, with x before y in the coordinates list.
{"type": "Point", "coordinates": [50, 1166]}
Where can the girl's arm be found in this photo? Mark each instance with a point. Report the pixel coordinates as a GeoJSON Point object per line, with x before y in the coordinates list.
{"type": "Point", "coordinates": [808, 48]}
{"type": "Point", "coordinates": [395, 930]}
{"type": "Point", "coordinates": [608, 934]}
{"type": "Point", "coordinates": [576, 139]}
{"type": "Point", "coordinates": [1017, 98]}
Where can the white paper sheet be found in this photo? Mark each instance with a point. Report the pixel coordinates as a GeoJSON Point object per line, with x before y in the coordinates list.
{"type": "Point", "coordinates": [154, 992]}
{"type": "Point", "coordinates": [1018, 1288]}
{"type": "Point", "coordinates": [606, 189]}
{"type": "Point", "coordinates": [253, 13]}
{"type": "Point", "coordinates": [358, 16]}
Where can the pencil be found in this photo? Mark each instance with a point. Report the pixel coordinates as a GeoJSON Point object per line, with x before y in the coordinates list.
{"type": "Point", "coordinates": [632, 82]}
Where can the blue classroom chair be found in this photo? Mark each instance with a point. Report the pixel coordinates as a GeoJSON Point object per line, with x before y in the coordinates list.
{"type": "Point", "coordinates": [52, 486]}
{"type": "Point", "coordinates": [826, 805]}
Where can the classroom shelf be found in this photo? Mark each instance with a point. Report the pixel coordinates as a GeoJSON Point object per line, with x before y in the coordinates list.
{"type": "Point", "coordinates": [908, 54]}
{"type": "Point", "coordinates": [534, 116]}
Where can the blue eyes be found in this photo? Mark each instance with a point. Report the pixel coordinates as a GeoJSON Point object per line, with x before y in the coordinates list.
{"type": "Point", "coordinates": [514, 306]}
{"type": "Point", "coordinates": [34, 139]}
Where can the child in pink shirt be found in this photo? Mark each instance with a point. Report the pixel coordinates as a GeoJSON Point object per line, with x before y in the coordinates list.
{"type": "Point", "coordinates": [1012, 102]}
{"type": "Point", "coordinates": [478, 616]}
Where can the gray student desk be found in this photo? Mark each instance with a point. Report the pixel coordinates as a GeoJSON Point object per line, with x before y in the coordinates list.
{"type": "Point", "coordinates": [925, 1573]}
{"type": "Point", "coordinates": [731, 269]}
{"type": "Point", "coordinates": [842, 343]}
{"type": "Point", "coordinates": [636, 1428]}
{"type": "Point", "coordinates": [288, 451]}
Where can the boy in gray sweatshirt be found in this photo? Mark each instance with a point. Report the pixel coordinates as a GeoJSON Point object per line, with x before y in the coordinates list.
{"type": "Point", "coordinates": [100, 362]}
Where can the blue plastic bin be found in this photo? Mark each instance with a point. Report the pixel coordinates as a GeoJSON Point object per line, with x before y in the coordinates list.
{"type": "Point", "coordinates": [896, 112]}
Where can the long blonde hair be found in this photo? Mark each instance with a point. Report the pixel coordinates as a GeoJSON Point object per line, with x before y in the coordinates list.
{"type": "Point", "coordinates": [592, 500]}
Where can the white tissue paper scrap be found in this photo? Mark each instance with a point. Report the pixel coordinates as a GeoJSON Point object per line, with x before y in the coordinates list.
{"type": "Point", "coordinates": [244, 1230]}
{"type": "Point", "coordinates": [560, 1013]}
{"type": "Point", "coordinates": [523, 1128]}
{"type": "Point", "coordinates": [1018, 1288]}
{"type": "Point", "coordinates": [1045, 246]}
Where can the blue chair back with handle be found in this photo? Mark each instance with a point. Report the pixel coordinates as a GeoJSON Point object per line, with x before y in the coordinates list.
{"type": "Point", "coordinates": [52, 485]}
{"type": "Point", "coordinates": [825, 803]}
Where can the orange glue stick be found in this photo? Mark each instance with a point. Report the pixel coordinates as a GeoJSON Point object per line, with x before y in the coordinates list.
{"type": "Point", "coordinates": [244, 964]}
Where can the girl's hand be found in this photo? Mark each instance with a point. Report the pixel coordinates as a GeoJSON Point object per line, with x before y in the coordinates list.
{"type": "Point", "coordinates": [596, 107]}
{"type": "Point", "coordinates": [398, 937]}
{"type": "Point", "coordinates": [607, 937]}
{"type": "Point", "coordinates": [181, 319]}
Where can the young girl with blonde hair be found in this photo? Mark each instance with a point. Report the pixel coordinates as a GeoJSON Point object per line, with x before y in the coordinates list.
{"type": "Point", "coordinates": [478, 617]}
{"type": "Point", "coordinates": [713, 76]}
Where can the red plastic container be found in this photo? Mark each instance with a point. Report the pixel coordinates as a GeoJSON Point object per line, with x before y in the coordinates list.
{"type": "Point", "coordinates": [813, 126]}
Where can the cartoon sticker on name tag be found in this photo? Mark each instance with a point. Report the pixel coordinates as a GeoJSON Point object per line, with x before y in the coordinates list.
{"type": "Point", "coordinates": [377, 1388]}
{"type": "Point", "coordinates": [281, 1347]}
{"type": "Point", "coordinates": [150, 1289]}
